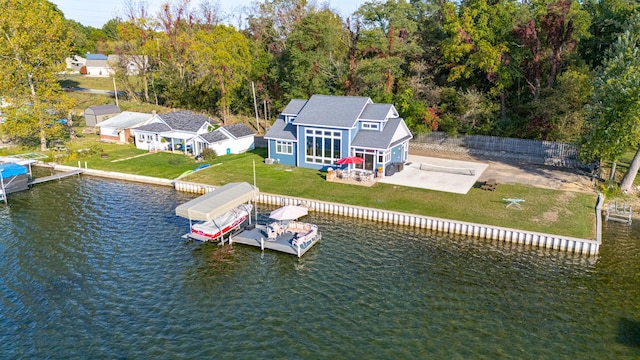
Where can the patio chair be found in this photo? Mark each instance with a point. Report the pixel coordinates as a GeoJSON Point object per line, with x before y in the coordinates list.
{"type": "Point", "coordinates": [272, 234]}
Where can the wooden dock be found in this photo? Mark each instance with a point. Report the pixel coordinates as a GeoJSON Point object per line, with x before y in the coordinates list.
{"type": "Point", "coordinates": [258, 237]}
{"type": "Point", "coordinates": [57, 176]}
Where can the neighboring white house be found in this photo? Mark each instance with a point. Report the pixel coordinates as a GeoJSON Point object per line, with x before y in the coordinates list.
{"type": "Point", "coordinates": [230, 139]}
{"type": "Point", "coordinates": [97, 65]}
{"type": "Point", "coordinates": [120, 127]}
{"type": "Point", "coordinates": [75, 63]}
{"type": "Point", "coordinates": [173, 131]}
{"type": "Point", "coordinates": [192, 133]}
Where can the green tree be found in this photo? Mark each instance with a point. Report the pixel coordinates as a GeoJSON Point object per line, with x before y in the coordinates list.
{"type": "Point", "coordinates": [177, 72]}
{"type": "Point", "coordinates": [314, 60]}
{"type": "Point", "coordinates": [608, 20]}
{"type": "Point", "coordinates": [387, 43]}
{"type": "Point", "coordinates": [34, 43]}
{"type": "Point", "coordinates": [478, 43]}
{"type": "Point", "coordinates": [550, 32]}
{"type": "Point", "coordinates": [614, 115]}
{"type": "Point", "coordinates": [223, 54]}
{"type": "Point", "coordinates": [138, 52]}
{"type": "Point", "coordinates": [82, 42]}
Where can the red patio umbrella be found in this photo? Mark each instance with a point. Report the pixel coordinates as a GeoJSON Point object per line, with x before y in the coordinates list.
{"type": "Point", "coordinates": [350, 160]}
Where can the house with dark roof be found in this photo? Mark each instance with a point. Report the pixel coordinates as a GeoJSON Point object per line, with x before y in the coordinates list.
{"type": "Point", "coordinates": [315, 133]}
{"type": "Point", "coordinates": [230, 139]}
{"type": "Point", "coordinates": [192, 133]}
{"type": "Point", "coordinates": [174, 131]}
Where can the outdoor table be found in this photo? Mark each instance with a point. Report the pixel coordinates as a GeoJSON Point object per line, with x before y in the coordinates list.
{"type": "Point", "coordinates": [515, 202]}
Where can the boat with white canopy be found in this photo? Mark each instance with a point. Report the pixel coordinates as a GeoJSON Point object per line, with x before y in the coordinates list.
{"type": "Point", "coordinates": [218, 212]}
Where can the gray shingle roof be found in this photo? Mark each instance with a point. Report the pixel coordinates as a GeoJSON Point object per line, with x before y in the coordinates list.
{"type": "Point", "coordinates": [384, 139]}
{"type": "Point", "coordinates": [156, 127]}
{"type": "Point", "coordinates": [281, 131]}
{"type": "Point", "coordinates": [214, 137]}
{"type": "Point", "coordinates": [377, 112]}
{"type": "Point", "coordinates": [96, 63]}
{"type": "Point", "coordinates": [332, 111]}
{"type": "Point", "coordinates": [104, 109]}
{"type": "Point", "coordinates": [239, 130]}
{"type": "Point", "coordinates": [294, 107]}
{"type": "Point", "coordinates": [185, 120]}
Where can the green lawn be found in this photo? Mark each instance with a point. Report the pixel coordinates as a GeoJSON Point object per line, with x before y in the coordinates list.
{"type": "Point", "coordinates": [548, 211]}
{"type": "Point", "coordinates": [87, 82]}
{"type": "Point", "coordinates": [128, 159]}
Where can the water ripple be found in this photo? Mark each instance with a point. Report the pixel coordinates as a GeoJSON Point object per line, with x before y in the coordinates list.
{"type": "Point", "coordinates": [97, 269]}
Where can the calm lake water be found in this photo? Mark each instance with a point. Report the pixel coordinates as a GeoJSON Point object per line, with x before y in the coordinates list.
{"type": "Point", "coordinates": [97, 269]}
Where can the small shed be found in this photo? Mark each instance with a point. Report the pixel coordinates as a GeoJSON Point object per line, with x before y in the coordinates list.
{"type": "Point", "coordinates": [96, 114]}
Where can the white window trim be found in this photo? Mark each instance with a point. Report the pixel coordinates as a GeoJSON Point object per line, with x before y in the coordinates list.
{"type": "Point", "coordinates": [370, 126]}
{"type": "Point", "coordinates": [321, 133]}
{"type": "Point", "coordinates": [288, 145]}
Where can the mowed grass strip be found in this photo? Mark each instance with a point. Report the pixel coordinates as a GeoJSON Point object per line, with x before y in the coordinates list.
{"type": "Point", "coordinates": [544, 210]}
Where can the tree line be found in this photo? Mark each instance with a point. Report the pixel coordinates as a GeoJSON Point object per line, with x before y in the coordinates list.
{"type": "Point", "coordinates": [557, 70]}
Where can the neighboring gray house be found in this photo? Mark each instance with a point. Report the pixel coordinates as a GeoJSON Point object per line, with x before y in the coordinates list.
{"type": "Point", "coordinates": [315, 133]}
{"type": "Point", "coordinates": [96, 114]}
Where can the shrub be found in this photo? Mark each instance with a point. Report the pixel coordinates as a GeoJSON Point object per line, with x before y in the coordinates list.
{"type": "Point", "coordinates": [610, 189]}
{"type": "Point", "coordinates": [208, 154]}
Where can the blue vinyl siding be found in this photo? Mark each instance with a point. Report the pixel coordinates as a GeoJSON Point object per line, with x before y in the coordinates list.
{"type": "Point", "coordinates": [282, 158]}
{"type": "Point", "coordinates": [397, 153]}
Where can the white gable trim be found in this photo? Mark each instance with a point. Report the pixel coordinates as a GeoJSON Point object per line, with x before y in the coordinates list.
{"type": "Point", "coordinates": [401, 132]}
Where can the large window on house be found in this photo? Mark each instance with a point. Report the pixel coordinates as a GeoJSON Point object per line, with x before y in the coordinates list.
{"type": "Point", "coordinates": [284, 147]}
{"type": "Point", "coordinates": [322, 146]}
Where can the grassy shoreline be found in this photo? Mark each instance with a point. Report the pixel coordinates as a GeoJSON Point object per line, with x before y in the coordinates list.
{"type": "Point", "coordinates": [547, 211]}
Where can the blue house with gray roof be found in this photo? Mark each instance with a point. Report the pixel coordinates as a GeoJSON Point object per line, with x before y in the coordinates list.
{"type": "Point", "coordinates": [315, 133]}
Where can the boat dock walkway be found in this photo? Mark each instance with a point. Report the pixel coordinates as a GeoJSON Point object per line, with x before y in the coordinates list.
{"type": "Point", "coordinates": [258, 237]}
{"type": "Point", "coordinates": [57, 176]}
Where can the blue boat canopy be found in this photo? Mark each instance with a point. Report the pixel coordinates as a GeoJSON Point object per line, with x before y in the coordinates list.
{"type": "Point", "coordinates": [10, 169]}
